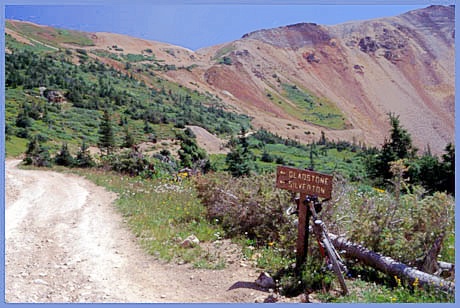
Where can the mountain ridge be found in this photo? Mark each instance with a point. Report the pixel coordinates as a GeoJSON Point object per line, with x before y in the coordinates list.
{"type": "Point", "coordinates": [301, 79]}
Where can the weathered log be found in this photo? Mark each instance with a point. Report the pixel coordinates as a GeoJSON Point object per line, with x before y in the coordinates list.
{"type": "Point", "coordinates": [390, 266]}
{"type": "Point", "coordinates": [445, 266]}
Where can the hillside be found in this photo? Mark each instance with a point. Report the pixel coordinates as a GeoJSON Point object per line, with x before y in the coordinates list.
{"type": "Point", "coordinates": [301, 79]}
{"type": "Point", "coordinates": [367, 69]}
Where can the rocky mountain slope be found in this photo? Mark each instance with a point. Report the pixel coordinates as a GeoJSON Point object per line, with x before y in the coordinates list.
{"type": "Point", "coordinates": [302, 79]}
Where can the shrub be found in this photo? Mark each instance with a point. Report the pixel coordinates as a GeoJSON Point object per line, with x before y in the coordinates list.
{"type": "Point", "coordinates": [403, 230]}
{"type": "Point", "coordinates": [226, 60]}
{"type": "Point", "coordinates": [248, 207]}
{"type": "Point", "coordinates": [132, 162]}
{"type": "Point", "coordinates": [266, 157]}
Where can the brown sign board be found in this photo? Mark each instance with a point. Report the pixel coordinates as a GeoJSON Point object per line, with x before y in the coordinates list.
{"type": "Point", "coordinates": [304, 181]}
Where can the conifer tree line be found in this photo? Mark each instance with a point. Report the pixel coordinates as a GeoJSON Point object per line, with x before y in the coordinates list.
{"type": "Point", "coordinates": [427, 170]}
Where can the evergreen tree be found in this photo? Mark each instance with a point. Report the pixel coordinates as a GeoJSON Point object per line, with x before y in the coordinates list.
{"type": "Point", "coordinates": [84, 159]}
{"type": "Point", "coordinates": [147, 127]}
{"type": "Point", "coordinates": [129, 139]}
{"type": "Point", "coordinates": [448, 169]}
{"type": "Point", "coordinates": [7, 132]}
{"type": "Point", "coordinates": [426, 171]}
{"type": "Point", "coordinates": [400, 143]}
{"type": "Point", "coordinates": [313, 153]}
{"type": "Point", "coordinates": [243, 140]}
{"type": "Point", "coordinates": [189, 153]}
{"type": "Point", "coordinates": [63, 158]}
{"type": "Point", "coordinates": [107, 137]}
{"type": "Point", "coordinates": [322, 139]}
{"type": "Point", "coordinates": [23, 120]}
{"type": "Point", "coordinates": [240, 158]}
{"type": "Point", "coordinates": [36, 154]}
{"type": "Point", "coordinates": [399, 146]}
{"type": "Point", "coordinates": [239, 163]}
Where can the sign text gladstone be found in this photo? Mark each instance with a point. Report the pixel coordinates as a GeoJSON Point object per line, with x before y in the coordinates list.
{"type": "Point", "coordinates": [304, 181]}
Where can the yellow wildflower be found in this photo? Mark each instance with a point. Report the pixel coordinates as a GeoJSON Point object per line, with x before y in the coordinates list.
{"type": "Point", "coordinates": [416, 282]}
{"type": "Point", "coordinates": [398, 281]}
{"type": "Point", "coordinates": [378, 190]}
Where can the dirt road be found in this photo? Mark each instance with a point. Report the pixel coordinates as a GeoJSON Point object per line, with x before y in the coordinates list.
{"type": "Point", "coordinates": [65, 242]}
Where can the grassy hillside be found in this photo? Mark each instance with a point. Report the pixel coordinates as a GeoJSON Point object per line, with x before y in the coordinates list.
{"type": "Point", "coordinates": [90, 87]}
{"type": "Point", "coordinates": [50, 36]}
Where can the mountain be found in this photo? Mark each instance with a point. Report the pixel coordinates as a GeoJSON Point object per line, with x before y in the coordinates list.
{"type": "Point", "coordinates": [302, 79]}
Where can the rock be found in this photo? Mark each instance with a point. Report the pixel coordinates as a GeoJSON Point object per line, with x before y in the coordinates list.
{"type": "Point", "coordinates": [271, 299]}
{"type": "Point", "coordinates": [265, 281]}
{"type": "Point", "coordinates": [190, 241]}
{"type": "Point", "coordinates": [259, 300]}
{"type": "Point", "coordinates": [40, 281]}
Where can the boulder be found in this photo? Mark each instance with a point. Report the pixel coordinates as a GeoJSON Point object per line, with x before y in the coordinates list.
{"type": "Point", "coordinates": [190, 241]}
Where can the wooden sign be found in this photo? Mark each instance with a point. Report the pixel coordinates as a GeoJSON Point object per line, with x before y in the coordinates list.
{"type": "Point", "coordinates": [304, 181]}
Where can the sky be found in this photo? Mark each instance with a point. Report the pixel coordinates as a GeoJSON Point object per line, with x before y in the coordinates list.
{"type": "Point", "coordinates": [196, 25]}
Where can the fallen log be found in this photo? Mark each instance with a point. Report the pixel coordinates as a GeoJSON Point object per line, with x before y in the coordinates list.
{"type": "Point", "coordinates": [446, 266]}
{"type": "Point", "coordinates": [389, 266]}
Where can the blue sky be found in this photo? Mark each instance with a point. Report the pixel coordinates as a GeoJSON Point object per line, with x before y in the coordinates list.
{"type": "Point", "coordinates": [196, 25]}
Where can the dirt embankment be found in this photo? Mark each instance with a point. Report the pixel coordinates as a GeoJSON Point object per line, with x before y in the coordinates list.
{"type": "Point", "coordinates": [65, 242]}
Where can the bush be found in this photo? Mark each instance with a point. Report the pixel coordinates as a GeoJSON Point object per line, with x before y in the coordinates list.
{"type": "Point", "coordinates": [248, 207]}
{"type": "Point", "coordinates": [130, 162]}
{"type": "Point", "coordinates": [266, 157]}
{"type": "Point", "coordinates": [404, 230]}
{"type": "Point", "coordinates": [225, 60]}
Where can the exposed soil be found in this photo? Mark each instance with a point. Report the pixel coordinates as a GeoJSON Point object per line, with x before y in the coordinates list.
{"type": "Point", "coordinates": [66, 242]}
{"type": "Point", "coordinates": [211, 143]}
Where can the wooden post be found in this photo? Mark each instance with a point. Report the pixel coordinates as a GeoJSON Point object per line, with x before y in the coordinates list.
{"type": "Point", "coordinates": [305, 182]}
{"type": "Point", "coordinates": [302, 234]}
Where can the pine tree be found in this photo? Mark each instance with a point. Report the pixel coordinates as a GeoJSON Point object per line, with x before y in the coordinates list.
{"type": "Point", "coordinates": [129, 139]}
{"type": "Point", "coordinates": [63, 158]}
{"type": "Point", "coordinates": [448, 168]}
{"type": "Point", "coordinates": [37, 154]}
{"type": "Point", "coordinates": [147, 127]}
{"type": "Point", "coordinates": [400, 143]}
{"type": "Point", "coordinates": [313, 153]}
{"type": "Point", "coordinates": [84, 159]}
{"type": "Point", "coordinates": [107, 137]}
{"type": "Point", "coordinates": [23, 120]}
{"type": "Point", "coordinates": [399, 146]}
{"type": "Point", "coordinates": [189, 153]}
{"type": "Point", "coordinates": [240, 158]}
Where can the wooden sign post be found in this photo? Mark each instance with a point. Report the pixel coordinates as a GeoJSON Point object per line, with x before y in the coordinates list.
{"type": "Point", "coordinates": [305, 182]}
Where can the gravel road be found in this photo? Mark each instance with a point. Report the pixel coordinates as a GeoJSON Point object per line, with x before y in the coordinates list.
{"type": "Point", "coordinates": [65, 242]}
